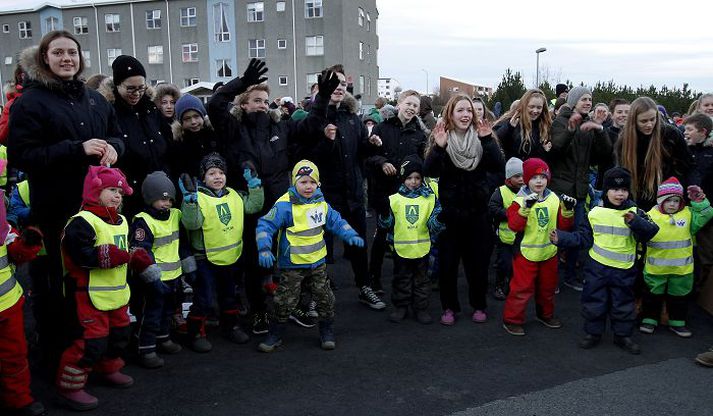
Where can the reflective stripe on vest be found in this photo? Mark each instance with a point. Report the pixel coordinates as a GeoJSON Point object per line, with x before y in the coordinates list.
{"type": "Point", "coordinates": [536, 245]}
{"type": "Point", "coordinates": [614, 244]}
{"type": "Point", "coordinates": [10, 289]}
{"type": "Point", "coordinates": [222, 226]}
{"type": "Point", "coordinates": [107, 287]}
{"type": "Point", "coordinates": [306, 236]}
{"type": "Point", "coordinates": [671, 249]}
{"type": "Point", "coordinates": [505, 234]}
{"type": "Point", "coordinates": [412, 239]}
{"type": "Point", "coordinates": [165, 242]}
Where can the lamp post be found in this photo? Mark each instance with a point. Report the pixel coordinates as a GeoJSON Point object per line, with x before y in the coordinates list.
{"type": "Point", "coordinates": [537, 76]}
{"type": "Point", "coordinates": [426, 79]}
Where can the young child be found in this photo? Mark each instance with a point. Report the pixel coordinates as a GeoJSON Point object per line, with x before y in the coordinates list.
{"type": "Point", "coordinates": [668, 267]}
{"type": "Point", "coordinates": [213, 215]}
{"type": "Point", "coordinates": [193, 136]}
{"type": "Point", "coordinates": [611, 233]}
{"type": "Point", "coordinates": [301, 215]}
{"type": "Point", "coordinates": [95, 256]}
{"type": "Point", "coordinates": [413, 220]}
{"type": "Point", "coordinates": [156, 229]}
{"type": "Point", "coordinates": [534, 214]}
{"type": "Point", "coordinates": [500, 201]}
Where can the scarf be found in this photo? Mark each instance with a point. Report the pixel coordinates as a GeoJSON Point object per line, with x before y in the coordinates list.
{"type": "Point", "coordinates": [465, 153]}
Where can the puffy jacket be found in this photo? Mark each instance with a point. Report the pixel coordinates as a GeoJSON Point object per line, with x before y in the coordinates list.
{"type": "Point", "coordinates": [511, 141]}
{"type": "Point", "coordinates": [187, 149]}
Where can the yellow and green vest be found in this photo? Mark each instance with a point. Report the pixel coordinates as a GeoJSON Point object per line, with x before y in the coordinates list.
{"type": "Point", "coordinates": [671, 249]}
{"type": "Point", "coordinates": [3, 174]}
{"type": "Point", "coordinates": [536, 244]}
{"type": "Point", "coordinates": [411, 237]}
{"type": "Point", "coordinates": [505, 234]}
{"type": "Point", "coordinates": [222, 227]}
{"type": "Point", "coordinates": [614, 244]}
{"type": "Point", "coordinates": [10, 289]}
{"type": "Point", "coordinates": [165, 243]}
{"type": "Point", "coordinates": [306, 235]}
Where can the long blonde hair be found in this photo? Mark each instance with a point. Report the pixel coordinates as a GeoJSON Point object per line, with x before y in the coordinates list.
{"type": "Point", "coordinates": [526, 123]}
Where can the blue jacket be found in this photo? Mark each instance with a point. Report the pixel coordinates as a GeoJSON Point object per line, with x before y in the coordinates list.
{"type": "Point", "coordinates": [280, 217]}
{"type": "Point", "coordinates": [17, 213]}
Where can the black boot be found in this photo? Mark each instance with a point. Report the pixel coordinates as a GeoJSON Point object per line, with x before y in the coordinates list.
{"type": "Point", "coordinates": [197, 340]}
{"type": "Point", "coordinates": [589, 341]}
{"type": "Point", "coordinates": [627, 344]}
{"type": "Point", "coordinates": [326, 335]}
{"type": "Point", "coordinates": [274, 337]}
{"type": "Point", "coordinates": [230, 329]}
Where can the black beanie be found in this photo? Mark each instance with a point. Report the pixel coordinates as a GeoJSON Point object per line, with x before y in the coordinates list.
{"type": "Point", "coordinates": [157, 186]}
{"type": "Point", "coordinates": [125, 66]}
{"type": "Point", "coordinates": [410, 165]}
{"type": "Point", "coordinates": [560, 88]}
{"type": "Point", "coordinates": [616, 178]}
{"type": "Point", "coordinates": [212, 160]}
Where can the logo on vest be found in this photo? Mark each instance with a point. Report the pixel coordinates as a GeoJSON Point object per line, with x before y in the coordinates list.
{"type": "Point", "coordinates": [224, 214]}
{"type": "Point", "coordinates": [120, 241]}
{"type": "Point", "coordinates": [412, 213]}
{"type": "Point", "coordinates": [543, 216]}
{"type": "Point", "coordinates": [315, 217]}
{"type": "Point", "coordinates": [681, 222]}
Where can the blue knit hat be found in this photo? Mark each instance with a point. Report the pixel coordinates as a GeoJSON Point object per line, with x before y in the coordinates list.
{"type": "Point", "coordinates": [189, 102]}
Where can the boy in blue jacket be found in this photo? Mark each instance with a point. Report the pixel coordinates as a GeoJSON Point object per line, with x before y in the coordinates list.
{"type": "Point", "coordinates": [301, 215]}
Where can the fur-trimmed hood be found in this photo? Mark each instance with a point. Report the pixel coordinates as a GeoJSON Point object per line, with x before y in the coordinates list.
{"type": "Point", "coordinates": [107, 88]}
{"type": "Point", "coordinates": [237, 112]}
{"type": "Point", "coordinates": [162, 90]}
{"type": "Point", "coordinates": [178, 132]}
{"type": "Point", "coordinates": [36, 73]}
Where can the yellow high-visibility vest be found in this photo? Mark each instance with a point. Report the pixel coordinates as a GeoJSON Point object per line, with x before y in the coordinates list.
{"type": "Point", "coordinates": [3, 174]}
{"type": "Point", "coordinates": [10, 289]}
{"type": "Point", "coordinates": [505, 234]}
{"type": "Point", "coordinates": [165, 243]}
{"type": "Point", "coordinates": [222, 227]}
{"type": "Point", "coordinates": [411, 237]}
{"type": "Point", "coordinates": [536, 244]}
{"type": "Point", "coordinates": [671, 249]}
{"type": "Point", "coordinates": [614, 244]}
{"type": "Point", "coordinates": [306, 235]}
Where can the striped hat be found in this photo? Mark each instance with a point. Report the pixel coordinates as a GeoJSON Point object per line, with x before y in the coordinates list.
{"type": "Point", "coordinates": [668, 188]}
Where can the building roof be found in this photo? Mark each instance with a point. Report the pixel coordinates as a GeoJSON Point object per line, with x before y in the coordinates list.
{"type": "Point", "coordinates": [29, 6]}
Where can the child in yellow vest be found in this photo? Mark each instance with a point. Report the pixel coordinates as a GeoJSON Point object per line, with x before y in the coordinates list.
{"type": "Point", "coordinates": [413, 220]}
{"type": "Point", "coordinates": [499, 203]}
{"type": "Point", "coordinates": [301, 216]}
{"type": "Point", "coordinates": [668, 267]}
{"type": "Point", "coordinates": [213, 215]}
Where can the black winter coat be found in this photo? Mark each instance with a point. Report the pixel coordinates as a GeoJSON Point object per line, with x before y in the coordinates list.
{"type": "Point", "coordinates": [702, 173]}
{"type": "Point", "coordinates": [511, 141]}
{"type": "Point", "coordinates": [188, 149]}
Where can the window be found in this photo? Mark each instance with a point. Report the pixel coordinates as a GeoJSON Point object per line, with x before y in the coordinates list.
{"type": "Point", "coordinates": [224, 69]}
{"type": "Point", "coordinates": [111, 54]}
{"type": "Point", "coordinates": [156, 54]}
{"type": "Point", "coordinates": [87, 58]}
{"type": "Point", "coordinates": [153, 19]}
{"type": "Point", "coordinates": [282, 80]}
{"type": "Point", "coordinates": [361, 51]}
{"type": "Point", "coordinates": [361, 17]}
{"type": "Point", "coordinates": [313, 8]}
{"type": "Point", "coordinates": [190, 52]}
{"type": "Point", "coordinates": [5, 28]}
{"type": "Point", "coordinates": [311, 80]}
{"type": "Point", "coordinates": [368, 22]}
{"type": "Point", "coordinates": [190, 81]}
{"type": "Point", "coordinates": [256, 12]}
{"type": "Point", "coordinates": [81, 27]}
{"type": "Point", "coordinates": [112, 22]}
{"type": "Point", "coordinates": [188, 16]}
{"type": "Point", "coordinates": [220, 23]}
{"type": "Point", "coordinates": [314, 45]}
{"type": "Point", "coordinates": [155, 82]}
{"type": "Point", "coordinates": [8, 60]}
{"type": "Point", "coordinates": [25, 29]}
{"type": "Point", "coordinates": [361, 84]}
{"type": "Point", "coordinates": [256, 48]}
{"type": "Point", "coordinates": [280, 6]}
{"type": "Point", "coordinates": [368, 86]}
{"type": "Point", "coordinates": [51, 23]}
{"type": "Point", "coordinates": [282, 44]}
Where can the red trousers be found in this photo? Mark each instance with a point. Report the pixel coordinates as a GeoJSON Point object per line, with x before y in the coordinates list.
{"type": "Point", "coordinates": [528, 278]}
{"type": "Point", "coordinates": [14, 368]}
{"type": "Point", "coordinates": [105, 335]}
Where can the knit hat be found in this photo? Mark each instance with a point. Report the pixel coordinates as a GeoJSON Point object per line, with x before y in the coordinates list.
{"type": "Point", "coordinates": [189, 102]}
{"type": "Point", "coordinates": [534, 166]}
{"type": "Point", "coordinates": [305, 168]}
{"type": "Point", "coordinates": [513, 167]}
{"type": "Point", "coordinates": [616, 178]}
{"type": "Point", "coordinates": [157, 186]}
{"type": "Point", "coordinates": [575, 94]}
{"type": "Point", "coordinates": [668, 188]}
{"type": "Point", "coordinates": [410, 165]}
{"type": "Point", "coordinates": [212, 160]}
{"type": "Point", "coordinates": [560, 88]}
{"type": "Point", "coordinates": [101, 177]}
{"type": "Point", "coordinates": [125, 66]}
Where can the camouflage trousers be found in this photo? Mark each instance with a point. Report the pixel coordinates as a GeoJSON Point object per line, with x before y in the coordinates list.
{"type": "Point", "coordinates": [288, 291]}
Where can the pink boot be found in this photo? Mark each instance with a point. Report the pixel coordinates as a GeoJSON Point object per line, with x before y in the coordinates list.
{"type": "Point", "coordinates": [118, 379]}
{"type": "Point", "coordinates": [78, 400]}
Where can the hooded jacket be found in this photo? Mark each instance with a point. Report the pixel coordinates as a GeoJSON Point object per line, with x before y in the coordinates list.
{"type": "Point", "coordinates": [188, 149]}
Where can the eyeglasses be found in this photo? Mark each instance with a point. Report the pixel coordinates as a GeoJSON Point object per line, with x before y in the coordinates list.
{"type": "Point", "coordinates": [135, 90]}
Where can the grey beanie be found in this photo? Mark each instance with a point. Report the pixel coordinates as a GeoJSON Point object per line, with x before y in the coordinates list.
{"type": "Point", "coordinates": [513, 167]}
{"type": "Point", "coordinates": [157, 186]}
{"type": "Point", "coordinates": [575, 94]}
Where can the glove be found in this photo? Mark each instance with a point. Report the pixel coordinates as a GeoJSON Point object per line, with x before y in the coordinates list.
{"type": "Point", "coordinates": [356, 241]}
{"type": "Point", "coordinates": [21, 252]}
{"type": "Point", "coordinates": [254, 73]}
{"type": "Point", "coordinates": [32, 236]}
{"type": "Point", "coordinates": [141, 263]}
{"type": "Point", "coordinates": [531, 200]}
{"type": "Point", "coordinates": [111, 256]}
{"type": "Point", "coordinates": [568, 202]}
{"type": "Point", "coordinates": [695, 193]}
{"type": "Point", "coordinates": [188, 188]}
{"type": "Point", "coordinates": [252, 180]}
{"type": "Point", "coordinates": [327, 82]}
{"type": "Point", "coordinates": [188, 265]}
{"type": "Point", "coordinates": [159, 287]}
{"type": "Point", "coordinates": [266, 259]}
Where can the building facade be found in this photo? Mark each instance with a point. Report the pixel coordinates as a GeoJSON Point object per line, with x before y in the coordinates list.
{"type": "Point", "coordinates": [389, 88]}
{"type": "Point", "coordinates": [450, 85]}
{"type": "Point", "coordinates": [189, 41]}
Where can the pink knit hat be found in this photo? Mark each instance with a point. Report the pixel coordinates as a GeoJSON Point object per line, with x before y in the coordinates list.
{"type": "Point", "coordinates": [668, 188]}
{"type": "Point", "coordinates": [101, 177]}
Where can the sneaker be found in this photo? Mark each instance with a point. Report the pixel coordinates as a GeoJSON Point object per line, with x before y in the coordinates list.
{"type": "Point", "coordinates": [302, 319]}
{"type": "Point", "coordinates": [514, 329]}
{"type": "Point", "coordinates": [705, 359]}
{"type": "Point", "coordinates": [78, 400]}
{"type": "Point", "coordinates": [553, 323]}
{"type": "Point", "coordinates": [499, 294]}
{"type": "Point", "coordinates": [236, 335]}
{"type": "Point", "coordinates": [589, 341]}
{"type": "Point", "coordinates": [574, 284]}
{"type": "Point", "coordinates": [398, 315]}
{"type": "Point", "coordinates": [681, 331]}
{"type": "Point", "coordinates": [151, 360]}
{"type": "Point", "coordinates": [369, 298]}
{"type": "Point", "coordinates": [169, 347]}
{"type": "Point", "coordinates": [312, 310]}
{"type": "Point", "coordinates": [261, 324]}
{"type": "Point", "coordinates": [423, 317]}
{"type": "Point", "coordinates": [627, 344]}
{"type": "Point", "coordinates": [118, 379]}
{"type": "Point", "coordinates": [647, 328]}
{"type": "Point", "coordinates": [448, 318]}
{"type": "Point", "coordinates": [479, 316]}
{"type": "Point", "coordinates": [326, 335]}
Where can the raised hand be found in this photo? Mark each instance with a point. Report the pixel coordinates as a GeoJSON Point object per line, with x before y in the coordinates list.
{"type": "Point", "coordinates": [591, 125]}
{"type": "Point", "coordinates": [440, 137]}
{"type": "Point", "coordinates": [531, 200]}
{"type": "Point", "coordinates": [568, 202]}
{"type": "Point", "coordinates": [485, 129]}
{"type": "Point", "coordinates": [600, 115]}
{"type": "Point", "coordinates": [252, 180]}
{"type": "Point", "coordinates": [695, 193]}
{"type": "Point", "coordinates": [375, 140]}
{"type": "Point", "coordinates": [254, 73]}
{"type": "Point", "coordinates": [188, 188]}
{"type": "Point", "coordinates": [327, 82]}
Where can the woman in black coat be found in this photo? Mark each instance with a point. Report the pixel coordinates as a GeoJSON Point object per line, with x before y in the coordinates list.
{"type": "Point", "coordinates": [526, 133]}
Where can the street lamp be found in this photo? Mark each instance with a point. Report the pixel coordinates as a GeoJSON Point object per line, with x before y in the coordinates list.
{"type": "Point", "coordinates": [426, 79]}
{"type": "Point", "coordinates": [537, 76]}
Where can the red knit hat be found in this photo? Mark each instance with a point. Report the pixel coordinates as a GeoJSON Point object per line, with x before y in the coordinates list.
{"type": "Point", "coordinates": [668, 188]}
{"type": "Point", "coordinates": [534, 166]}
{"type": "Point", "coordinates": [101, 177]}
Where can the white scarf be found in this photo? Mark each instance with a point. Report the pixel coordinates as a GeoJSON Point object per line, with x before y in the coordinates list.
{"type": "Point", "coordinates": [465, 152]}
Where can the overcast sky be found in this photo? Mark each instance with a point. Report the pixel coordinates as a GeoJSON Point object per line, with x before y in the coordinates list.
{"type": "Point", "coordinates": [630, 42]}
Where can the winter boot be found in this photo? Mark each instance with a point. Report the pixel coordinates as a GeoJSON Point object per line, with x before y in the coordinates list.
{"type": "Point", "coordinates": [118, 379]}
{"type": "Point", "coordinates": [151, 360]}
{"type": "Point", "coordinates": [78, 400]}
{"type": "Point", "coordinates": [274, 337]}
{"type": "Point", "coordinates": [169, 347]}
{"type": "Point", "coordinates": [398, 315]}
{"type": "Point", "coordinates": [197, 340]}
{"type": "Point", "coordinates": [230, 328]}
{"type": "Point", "coordinates": [33, 409]}
{"type": "Point", "coordinates": [326, 335]}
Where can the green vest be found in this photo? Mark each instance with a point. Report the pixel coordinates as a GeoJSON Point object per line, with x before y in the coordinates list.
{"type": "Point", "coordinates": [671, 249]}
{"type": "Point", "coordinates": [3, 174]}
{"type": "Point", "coordinates": [411, 237]}
{"type": "Point", "coordinates": [306, 235]}
{"type": "Point", "coordinates": [165, 243]}
{"type": "Point", "coordinates": [107, 289]}
{"type": "Point", "coordinates": [614, 244]}
{"type": "Point", "coordinates": [505, 234]}
{"type": "Point", "coordinates": [222, 227]}
{"type": "Point", "coordinates": [433, 184]}
{"type": "Point", "coordinates": [536, 244]}
{"type": "Point", "coordinates": [23, 189]}
{"type": "Point", "coordinates": [10, 289]}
